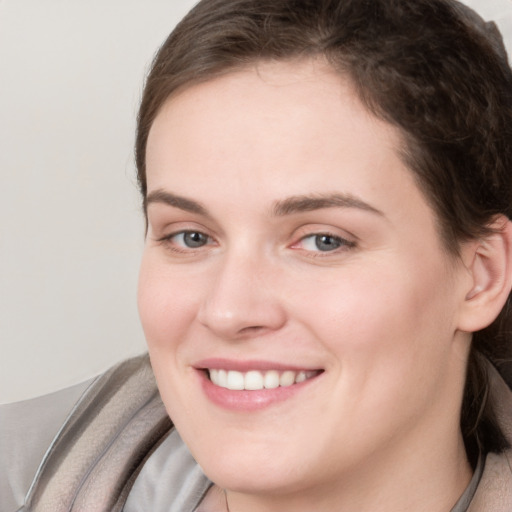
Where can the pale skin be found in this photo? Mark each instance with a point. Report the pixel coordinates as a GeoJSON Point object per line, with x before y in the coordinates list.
{"type": "Point", "coordinates": [309, 243]}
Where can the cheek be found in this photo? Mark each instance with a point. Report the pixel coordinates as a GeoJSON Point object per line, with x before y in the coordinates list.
{"type": "Point", "coordinates": [167, 303]}
{"type": "Point", "coordinates": [388, 335]}
{"type": "Point", "coordinates": [363, 303]}
{"type": "Point", "coordinates": [166, 308]}
{"type": "Point", "coordinates": [383, 325]}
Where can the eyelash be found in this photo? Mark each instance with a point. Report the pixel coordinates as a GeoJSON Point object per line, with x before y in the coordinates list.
{"type": "Point", "coordinates": [339, 243]}
{"type": "Point", "coordinates": [168, 240]}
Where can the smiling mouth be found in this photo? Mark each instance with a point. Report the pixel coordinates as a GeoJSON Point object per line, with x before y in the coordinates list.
{"type": "Point", "coordinates": [255, 380]}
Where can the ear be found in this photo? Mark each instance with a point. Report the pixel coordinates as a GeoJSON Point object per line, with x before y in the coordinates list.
{"type": "Point", "coordinates": [489, 263]}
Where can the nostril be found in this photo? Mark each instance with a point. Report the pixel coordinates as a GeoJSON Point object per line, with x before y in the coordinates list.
{"type": "Point", "coordinates": [255, 328]}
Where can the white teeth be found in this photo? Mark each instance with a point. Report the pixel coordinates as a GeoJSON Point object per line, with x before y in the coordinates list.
{"type": "Point", "coordinates": [301, 377]}
{"type": "Point", "coordinates": [235, 380]}
{"type": "Point", "coordinates": [271, 379]}
{"type": "Point", "coordinates": [255, 380]}
{"type": "Point", "coordinates": [287, 379]}
{"type": "Point", "coordinates": [223, 378]}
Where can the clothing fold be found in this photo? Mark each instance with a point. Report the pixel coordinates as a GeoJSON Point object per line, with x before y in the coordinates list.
{"type": "Point", "coordinates": [98, 453]}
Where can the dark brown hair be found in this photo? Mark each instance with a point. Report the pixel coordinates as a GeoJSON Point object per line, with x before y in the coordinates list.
{"type": "Point", "coordinates": [432, 68]}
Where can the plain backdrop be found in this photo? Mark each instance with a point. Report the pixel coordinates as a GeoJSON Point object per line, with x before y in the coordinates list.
{"type": "Point", "coordinates": [71, 230]}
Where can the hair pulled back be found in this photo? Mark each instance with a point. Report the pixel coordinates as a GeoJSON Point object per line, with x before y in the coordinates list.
{"type": "Point", "coordinates": [433, 68]}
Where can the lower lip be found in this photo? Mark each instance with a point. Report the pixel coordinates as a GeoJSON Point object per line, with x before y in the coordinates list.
{"type": "Point", "coordinates": [249, 400]}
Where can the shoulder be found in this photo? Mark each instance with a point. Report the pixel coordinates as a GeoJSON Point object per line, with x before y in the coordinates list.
{"type": "Point", "coordinates": [26, 431]}
{"type": "Point", "coordinates": [114, 427]}
{"type": "Point", "coordinates": [494, 492]}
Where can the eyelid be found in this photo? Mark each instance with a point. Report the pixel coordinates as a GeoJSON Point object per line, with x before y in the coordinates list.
{"type": "Point", "coordinates": [173, 234]}
{"type": "Point", "coordinates": [343, 241]}
{"type": "Point", "coordinates": [167, 241]}
{"type": "Point", "coordinates": [161, 220]}
{"type": "Point", "coordinates": [347, 241]}
{"type": "Point", "coordinates": [165, 228]}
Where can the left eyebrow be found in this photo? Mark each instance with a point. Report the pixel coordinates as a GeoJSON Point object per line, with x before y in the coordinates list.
{"type": "Point", "coordinates": [307, 203]}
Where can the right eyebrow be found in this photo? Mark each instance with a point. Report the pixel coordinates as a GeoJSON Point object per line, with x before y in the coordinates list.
{"type": "Point", "coordinates": [308, 203]}
{"type": "Point", "coordinates": [183, 203]}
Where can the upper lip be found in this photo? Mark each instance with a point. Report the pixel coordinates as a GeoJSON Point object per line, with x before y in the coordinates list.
{"type": "Point", "coordinates": [245, 366]}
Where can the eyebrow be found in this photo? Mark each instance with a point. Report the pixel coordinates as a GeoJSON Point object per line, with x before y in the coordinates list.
{"type": "Point", "coordinates": [163, 197]}
{"type": "Point", "coordinates": [281, 208]}
{"type": "Point", "coordinates": [307, 203]}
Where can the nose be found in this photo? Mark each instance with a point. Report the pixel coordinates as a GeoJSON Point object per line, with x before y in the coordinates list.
{"type": "Point", "coordinates": [243, 300]}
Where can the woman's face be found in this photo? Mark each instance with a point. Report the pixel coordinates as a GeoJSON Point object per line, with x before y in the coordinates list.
{"type": "Point", "coordinates": [300, 310]}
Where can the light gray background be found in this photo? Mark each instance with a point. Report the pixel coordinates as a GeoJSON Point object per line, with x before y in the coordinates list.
{"type": "Point", "coordinates": [71, 231]}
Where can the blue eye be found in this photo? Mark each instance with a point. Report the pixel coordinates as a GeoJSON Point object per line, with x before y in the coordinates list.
{"type": "Point", "coordinates": [324, 242]}
{"type": "Point", "coordinates": [190, 239]}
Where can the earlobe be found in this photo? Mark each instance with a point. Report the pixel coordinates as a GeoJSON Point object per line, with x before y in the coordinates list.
{"type": "Point", "coordinates": [490, 269]}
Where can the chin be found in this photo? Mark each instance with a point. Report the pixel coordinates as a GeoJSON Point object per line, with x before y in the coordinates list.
{"type": "Point", "coordinates": [249, 478]}
{"type": "Point", "coordinates": [253, 465]}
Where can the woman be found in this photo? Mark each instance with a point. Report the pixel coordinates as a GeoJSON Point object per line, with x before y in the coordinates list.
{"type": "Point", "coordinates": [325, 284]}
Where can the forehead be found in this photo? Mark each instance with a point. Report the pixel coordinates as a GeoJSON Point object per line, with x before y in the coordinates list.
{"type": "Point", "coordinates": [293, 111]}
